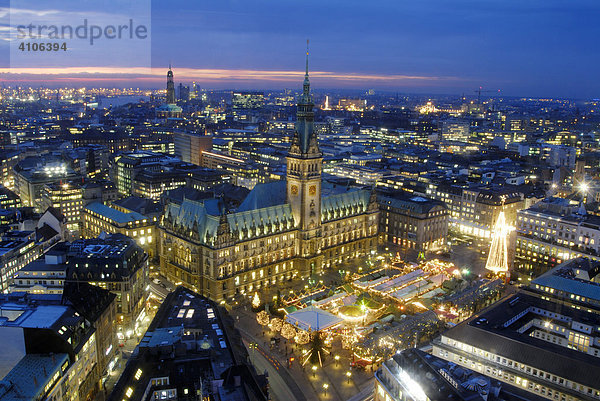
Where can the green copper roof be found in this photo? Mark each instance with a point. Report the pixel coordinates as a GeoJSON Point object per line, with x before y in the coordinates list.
{"type": "Point", "coordinates": [346, 204]}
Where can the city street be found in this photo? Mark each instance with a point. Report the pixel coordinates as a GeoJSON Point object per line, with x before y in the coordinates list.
{"type": "Point", "coordinates": [335, 380]}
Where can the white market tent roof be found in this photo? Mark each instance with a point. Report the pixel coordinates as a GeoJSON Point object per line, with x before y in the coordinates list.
{"type": "Point", "coordinates": [313, 318]}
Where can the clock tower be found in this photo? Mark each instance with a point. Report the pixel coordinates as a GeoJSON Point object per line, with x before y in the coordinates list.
{"type": "Point", "coordinates": [304, 166]}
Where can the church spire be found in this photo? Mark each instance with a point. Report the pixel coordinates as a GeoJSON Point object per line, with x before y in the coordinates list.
{"type": "Point", "coordinates": [306, 75]}
{"type": "Point", "coordinates": [170, 87]}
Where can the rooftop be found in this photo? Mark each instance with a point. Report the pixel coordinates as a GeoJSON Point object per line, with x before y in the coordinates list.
{"type": "Point", "coordinates": [442, 380]}
{"type": "Point", "coordinates": [28, 379]}
{"type": "Point", "coordinates": [187, 340]}
{"type": "Point", "coordinates": [496, 330]}
{"type": "Point", "coordinates": [114, 214]}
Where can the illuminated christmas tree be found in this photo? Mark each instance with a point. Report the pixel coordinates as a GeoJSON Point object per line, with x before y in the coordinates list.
{"type": "Point", "coordinates": [497, 260]}
{"type": "Point", "coordinates": [256, 301]}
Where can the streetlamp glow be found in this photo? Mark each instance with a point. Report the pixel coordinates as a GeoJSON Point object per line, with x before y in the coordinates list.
{"type": "Point", "coordinates": [314, 370]}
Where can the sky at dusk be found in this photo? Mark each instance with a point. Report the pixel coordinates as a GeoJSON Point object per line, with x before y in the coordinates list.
{"type": "Point", "coordinates": [523, 48]}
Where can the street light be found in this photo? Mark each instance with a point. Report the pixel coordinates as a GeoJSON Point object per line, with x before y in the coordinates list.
{"type": "Point", "coordinates": [337, 359]}
{"type": "Point", "coordinates": [348, 374]}
{"type": "Point", "coordinates": [314, 369]}
{"type": "Point", "coordinates": [325, 387]}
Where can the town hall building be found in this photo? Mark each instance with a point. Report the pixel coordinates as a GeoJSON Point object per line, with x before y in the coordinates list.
{"type": "Point", "coordinates": [282, 230]}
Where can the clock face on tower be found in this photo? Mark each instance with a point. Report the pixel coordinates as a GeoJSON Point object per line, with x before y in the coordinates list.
{"type": "Point", "coordinates": [294, 190]}
{"type": "Point", "coordinates": [312, 190]}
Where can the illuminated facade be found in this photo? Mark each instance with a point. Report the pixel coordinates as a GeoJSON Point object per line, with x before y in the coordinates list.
{"type": "Point", "coordinates": [8, 199]}
{"type": "Point", "coordinates": [126, 167]}
{"type": "Point", "coordinates": [189, 146]}
{"type": "Point", "coordinates": [151, 184]}
{"type": "Point", "coordinates": [413, 222]}
{"type": "Point", "coordinates": [67, 198]}
{"type": "Point", "coordinates": [97, 218]}
{"type": "Point", "coordinates": [43, 276]}
{"type": "Point", "coordinates": [282, 230]}
{"type": "Point", "coordinates": [553, 231]}
{"type": "Point", "coordinates": [474, 210]}
{"type": "Point", "coordinates": [60, 344]}
{"type": "Point", "coordinates": [247, 100]}
{"type": "Point", "coordinates": [17, 250]}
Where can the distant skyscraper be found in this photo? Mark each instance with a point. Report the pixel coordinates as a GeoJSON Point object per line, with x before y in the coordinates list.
{"type": "Point", "coordinates": [170, 87]}
{"type": "Point", "coordinates": [184, 92]}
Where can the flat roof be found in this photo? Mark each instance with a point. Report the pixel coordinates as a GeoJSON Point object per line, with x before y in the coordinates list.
{"type": "Point", "coordinates": [28, 379]}
{"type": "Point", "coordinates": [18, 315]}
{"type": "Point", "coordinates": [114, 214]}
{"type": "Point", "coordinates": [41, 265]}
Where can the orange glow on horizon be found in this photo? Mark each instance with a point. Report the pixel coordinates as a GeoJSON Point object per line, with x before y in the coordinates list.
{"type": "Point", "coordinates": [102, 74]}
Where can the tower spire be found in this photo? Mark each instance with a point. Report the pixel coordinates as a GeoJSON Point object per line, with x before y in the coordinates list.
{"type": "Point", "coordinates": [306, 84]}
{"type": "Point", "coordinates": [306, 75]}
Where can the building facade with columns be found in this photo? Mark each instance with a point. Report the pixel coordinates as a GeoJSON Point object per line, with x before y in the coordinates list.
{"type": "Point", "coordinates": [285, 229]}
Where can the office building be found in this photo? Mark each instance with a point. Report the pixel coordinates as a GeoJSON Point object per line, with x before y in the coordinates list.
{"type": "Point", "coordinates": [97, 218]}
{"type": "Point", "coordinates": [45, 275]}
{"type": "Point", "coordinates": [244, 173]}
{"type": "Point", "coordinates": [127, 166]}
{"type": "Point", "coordinates": [9, 199]}
{"type": "Point", "coordinates": [413, 375]}
{"type": "Point", "coordinates": [456, 130]}
{"type": "Point", "coordinates": [544, 339]}
{"type": "Point", "coordinates": [66, 197]}
{"type": "Point", "coordinates": [17, 249]}
{"type": "Point", "coordinates": [553, 231]}
{"type": "Point", "coordinates": [33, 173]}
{"type": "Point", "coordinates": [189, 146]}
{"type": "Point", "coordinates": [412, 222]}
